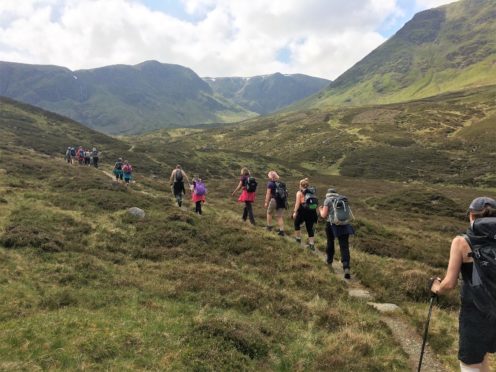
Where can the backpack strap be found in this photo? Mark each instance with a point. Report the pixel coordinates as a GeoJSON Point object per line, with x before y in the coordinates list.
{"type": "Point", "coordinates": [472, 253]}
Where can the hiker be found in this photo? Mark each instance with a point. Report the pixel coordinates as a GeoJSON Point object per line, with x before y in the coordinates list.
{"type": "Point", "coordinates": [68, 155]}
{"type": "Point", "coordinates": [248, 185]}
{"type": "Point", "coordinates": [94, 157]}
{"type": "Point", "coordinates": [87, 157]}
{"type": "Point", "coordinates": [80, 155]}
{"type": "Point", "coordinates": [73, 154]}
{"type": "Point", "coordinates": [127, 170]}
{"type": "Point", "coordinates": [338, 215]}
{"type": "Point", "coordinates": [477, 324]}
{"type": "Point", "coordinates": [198, 194]}
{"type": "Point", "coordinates": [177, 182]}
{"type": "Point", "coordinates": [118, 170]}
{"type": "Point", "coordinates": [276, 199]}
{"type": "Point", "coordinates": [305, 211]}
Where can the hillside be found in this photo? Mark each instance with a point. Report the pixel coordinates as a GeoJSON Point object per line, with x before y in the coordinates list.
{"type": "Point", "coordinates": [445, 49]}
{"type": "Point", "coordinates": [269, 93]}
{"type": "Point", "coordinates": [120, 99]}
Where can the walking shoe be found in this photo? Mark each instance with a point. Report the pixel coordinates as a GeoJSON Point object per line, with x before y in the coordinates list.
{"type": "Point", "coordinates": [280, 233]}
{"type": "Point", "coordinates": [347, 274]}
{"type": "Point", "coordinates": [311, 247]}
{"type": "Point", "coordinates": [297, 240]}
{"type": "Point", "coordinates": [268, 228]}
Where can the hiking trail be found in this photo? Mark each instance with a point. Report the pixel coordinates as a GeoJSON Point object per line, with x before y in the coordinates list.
{"type": "Point", "coordinates": [403, 332]}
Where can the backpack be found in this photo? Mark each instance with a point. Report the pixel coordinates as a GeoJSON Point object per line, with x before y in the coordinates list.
{"type": "Point", "coordinates": [281, 193]}
{"type": "Point", "coordinates": [81, 153]}
{"type": "Point", "coordinates": [251, 184]}
{"type": "Point", "coordinates": [118, 165]}
{"type": "Point", "coordinates": [200, 188]}
{"type": "Point", "coordinates": [481, 238]}
{"type": "Point", "coordinates": [95, 154]}
{"type": "Point", "coordinates": [127, 168]}
{"type": "Point", "coordinates": [179, 175]}
{"type": "Point", "coordinates": [73, 151]}
{"type": "Point", "coordinates": [340, 211]}
{"type": "Point", "coordinates": [310, 200]}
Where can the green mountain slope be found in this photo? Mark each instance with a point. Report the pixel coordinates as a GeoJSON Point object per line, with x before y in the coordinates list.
{"type": "Point", "coordinates": [266, 94]}
{"type": "Point", "coordinates": [120, 99]}
{"type": "Point", "coordinates": [84, 285]}
{"type": "Point", "coordinates": [449, 48]}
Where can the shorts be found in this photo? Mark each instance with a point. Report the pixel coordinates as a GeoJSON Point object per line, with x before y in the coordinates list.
{"type": "Point", "coordinates": [477, 335]}
{"type": "Point", "coordinates": [279, 212]}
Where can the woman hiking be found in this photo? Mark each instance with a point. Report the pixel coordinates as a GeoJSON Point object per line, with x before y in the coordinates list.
{"type": "Point", "coordinates": [119, 175]}
{"type": "Point", "coordinates": [127, 170]}
{"type": "Point", "coordinates": [247, 197]}
{"type": "Point", "coordinates": [305, 211]}
{"type": "Point", "coordinates": [198, 194]}
{"type": "Point", "coordinates": [275, 201]}
{"type": "Point", "coordinates": [477, 328]}
{"type": "Point", "coordinates": [340, 231]}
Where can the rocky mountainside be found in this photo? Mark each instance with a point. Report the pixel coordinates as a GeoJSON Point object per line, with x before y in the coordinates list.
{"type": "Point", "coordinates": [268, 93]}
{"type": "Point", "coordinates": [449, 48]}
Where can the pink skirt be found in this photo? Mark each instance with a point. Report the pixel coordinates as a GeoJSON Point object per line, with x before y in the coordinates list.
{"type": "Point", "coordinates": [197, 198]}
{"type": "Point", "coordinates": [246, 196]}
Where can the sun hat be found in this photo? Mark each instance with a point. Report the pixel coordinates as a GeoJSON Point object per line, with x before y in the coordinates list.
{"type": "Point", "coordinates": [478, 204]}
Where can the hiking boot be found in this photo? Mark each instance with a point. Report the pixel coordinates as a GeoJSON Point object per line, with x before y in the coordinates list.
{"type": "Point", "coordinates": [347, 274]}
{"type": "Point", "coordinates": [311, 247]}
{"type": "Point", "coordinates": [298, 240]}
{"type": "Point", "coordinates": [268, 228]}
{"type": "Point", "coordinates": [281, 233]}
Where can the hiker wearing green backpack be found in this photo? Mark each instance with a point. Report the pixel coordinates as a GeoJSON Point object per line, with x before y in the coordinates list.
{"type": "Point", "coordinates": [177, 178]}
{"type": "Point", "coordinates": [276, 201]}
{"type": "Point", "coordinates": [473, 255]}
{"type": "Point", "coordinates": [337, 212]}
{"type": "Point", "coordinates": [305, 211]}
{"type": "Point", "coordinates": [248, 185]}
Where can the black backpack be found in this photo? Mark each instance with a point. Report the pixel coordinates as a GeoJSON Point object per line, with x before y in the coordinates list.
{"type": "Point", "coordinates": [251, 184]}
{"type": "Point", "coordinates": [311, 201]}
{"type": "Point", "coordinates": [281, 194]}
{"type": "Point", "coordinates": [481, 238]}
{"type": "Point", "coordinates": [179, 175]}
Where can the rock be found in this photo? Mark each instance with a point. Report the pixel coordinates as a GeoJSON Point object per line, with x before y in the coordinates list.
{"type": "Point", "coordinates": [136, 212]}
{"type": "Point", "coordinates": [384, 308]}
{"type": "Point", "coordinates": [360, 293]}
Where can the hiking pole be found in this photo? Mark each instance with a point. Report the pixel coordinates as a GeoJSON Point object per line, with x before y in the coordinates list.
{"type": "Point", "coordinates": [426, 330]}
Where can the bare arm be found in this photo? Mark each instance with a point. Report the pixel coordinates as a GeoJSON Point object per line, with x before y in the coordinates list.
{"type": "Point", "coordinates": [267, 198]}
{"type": "Point", "coordinates": [185, 176]}
{"type": "Point", "coordinates": [458, 247]}
{"type": "Point", "coordinates": [297, 203]}
{"type": "Point", "coordinates": [324, 211]}
{"type": "Point", "coordinates": [172, 177]}
{"type": "Point", "coordinates": [240, 185]}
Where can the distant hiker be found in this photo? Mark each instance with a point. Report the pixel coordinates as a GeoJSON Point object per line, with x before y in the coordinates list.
{"type": "Point", "coordinates": [94, 157]}
{"type": "Point", "coordinates": [198, 195]}
{"type": "Point", "coordinates": [127, 170]}
{"type": "Point", "coordinates": [248, 185]}
{"type": "Point", "coordinates": [119, 174]}
{"type": "Point", "coordinates": [177, 178]}
{"type": "Point", "coordinates": [338, 214]}
{"type": "Point", "coordinates": [473, 255]}
{"type": "Point", "coordinates": [68, 155]}
{"type": "Point", "coordinates": [80, 155]}
{"type": "Point", "coordinates": [87, 157]}
{"type": "Point", "coordinates": [305, 211]}
{"type": "Point", "coordinates": [73, 155]}
{"type": "Point", "coordinates": [276, 200]}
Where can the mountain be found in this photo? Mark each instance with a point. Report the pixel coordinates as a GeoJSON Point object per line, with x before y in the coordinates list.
{"type": "Point", "coordinates": [268, 93]}
{"type": "Point", "coordinates": [120, 99]}
{"type": "Point", "coordinates": [449, 48]}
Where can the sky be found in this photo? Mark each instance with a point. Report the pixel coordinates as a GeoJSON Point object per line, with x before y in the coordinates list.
{"type": "Point", "coordinates": [215, 38]}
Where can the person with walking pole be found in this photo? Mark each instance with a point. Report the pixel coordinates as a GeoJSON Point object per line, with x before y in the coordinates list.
{"type": "Point", "coordinates": [474, 256]}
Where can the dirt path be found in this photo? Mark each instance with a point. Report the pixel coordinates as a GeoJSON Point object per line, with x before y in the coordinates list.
{"type": "Point", "coordinates": [402, 331]}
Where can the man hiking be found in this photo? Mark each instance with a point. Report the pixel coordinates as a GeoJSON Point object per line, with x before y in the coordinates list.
{"type": "Point", "coordinates": [177, 178]}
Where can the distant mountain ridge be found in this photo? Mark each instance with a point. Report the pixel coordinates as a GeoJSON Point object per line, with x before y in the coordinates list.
{"type": "Point", "coordinates": [449, 48]}
{"type": "Point", "coordinates": [120, 99]}
{"type": "Point", "coordinates": [123, 99]}
{"type": "Point", "coordinates": [267, 93]}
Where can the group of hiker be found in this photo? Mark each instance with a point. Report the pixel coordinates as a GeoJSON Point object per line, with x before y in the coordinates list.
{"type": "Point", "coordinates": [123, 171]}
{"type": "Point", "coordinates": [80, 155]}
{"type": "Point", "coordinates": [335, 209]}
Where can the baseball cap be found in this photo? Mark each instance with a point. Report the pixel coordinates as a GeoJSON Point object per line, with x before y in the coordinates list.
{"type": "Point", "coordinates": [479, 203]}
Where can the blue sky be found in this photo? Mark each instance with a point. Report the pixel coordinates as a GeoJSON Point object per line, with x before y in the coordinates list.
{"type": "Point", "coordinates": [212, 37]}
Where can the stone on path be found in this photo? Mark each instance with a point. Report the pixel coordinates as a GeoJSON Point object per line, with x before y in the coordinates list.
{"type": "Point", "coordinates": [136, 212]}
{"type": "Point", "coordinates": [384, 308]}
{"type": "Point", "coordinates": [360, 293]}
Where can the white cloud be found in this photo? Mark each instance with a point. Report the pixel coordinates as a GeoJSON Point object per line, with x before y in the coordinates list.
{"type": "Point", "coordinates": [427, 4]}
{"type": "Point", "coordinates": [233, 37]}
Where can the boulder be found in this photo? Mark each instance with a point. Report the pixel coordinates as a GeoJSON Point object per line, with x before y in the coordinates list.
{"type": "Point", "coordinates": [136, 212]}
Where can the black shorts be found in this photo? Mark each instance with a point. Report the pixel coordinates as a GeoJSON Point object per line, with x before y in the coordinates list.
{"type": "Point", "coordinates": [477, 335]}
